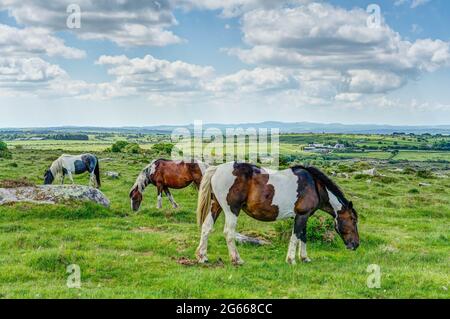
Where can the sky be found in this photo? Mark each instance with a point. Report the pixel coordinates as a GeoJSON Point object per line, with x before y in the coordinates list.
{"type": "Point", "coordinates": [140, 63]}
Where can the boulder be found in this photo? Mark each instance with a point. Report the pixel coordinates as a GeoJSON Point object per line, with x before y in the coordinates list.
{"type": "Point", "coordinates": [52, 194]}
{"type": "Point", "coordinates": [113, 175]}
{"type": "Point", "coordinates": [243, 239]}
{"type": "Point", "coordinates": [369, 172]}
{"type": "Point", "coordinates": [425, 185]}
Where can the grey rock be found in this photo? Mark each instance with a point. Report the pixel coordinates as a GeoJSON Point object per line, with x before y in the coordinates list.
{"type": "Point", "coordinates": [113, 175]}
{"type": "Point", "coordinates": [52, 194]}
{"type": "Point", "coordinates": [243, 239]}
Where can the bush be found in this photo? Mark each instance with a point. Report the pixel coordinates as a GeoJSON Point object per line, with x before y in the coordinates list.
{"type": "Point", "coordinates": [119, 146]}
{"type": "Point", "coordinates": [163, 149]}
{"type": "Point", "coordinates": [133, 148]}
{"type": "Point", "coordinates": [4, 152]}
{"type": "Point", "coordinates": [125, 147]}
{"type": "Point", "coordinates": [424, 173]}
{"type": "Point", "coordinates": [319, 228]}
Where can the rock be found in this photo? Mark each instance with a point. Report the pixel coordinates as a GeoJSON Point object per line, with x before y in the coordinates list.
{"type": "Point", "coordinates": [243, 239]}
{"type": "Point", "coordinates": [113, 175]}
{"type": "Point", "coordinates": [424, 185]}
{"type": "Point", "coordinates": [52, 194]}
{"type": "Point", "coordinates": [369, 172]}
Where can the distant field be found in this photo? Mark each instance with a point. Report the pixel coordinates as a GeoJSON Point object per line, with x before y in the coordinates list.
{"type": "Point", "coordinates": [403, 229]}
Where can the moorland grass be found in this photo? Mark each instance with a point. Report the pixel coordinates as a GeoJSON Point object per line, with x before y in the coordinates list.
{"type": "Point", "coordinates": [404, 229]}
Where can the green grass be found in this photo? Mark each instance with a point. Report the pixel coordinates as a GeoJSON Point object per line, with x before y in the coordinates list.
{"type": "Point", "coordinates": [403, 228]}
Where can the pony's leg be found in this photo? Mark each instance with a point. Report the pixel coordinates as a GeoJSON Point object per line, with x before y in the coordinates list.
{"type": "Point", "coordinates": [62, 179]}
{"type": "Point", "coordinates": [300, 232]}
{"type": "Point", "coordinates": [230, 235]}
{"type": "Point", "coordinates": [293, 243]}
{"type": "Point", "coordinates": [170, 197]}
{"type": "Point", "coordinates": [159, 203]}
{"type": "Point", "coordinates": [207, 227]}
{"type": "Point", "coordinates": [93, 180]}
{"type": "Point", "coordinates": [70, 177]}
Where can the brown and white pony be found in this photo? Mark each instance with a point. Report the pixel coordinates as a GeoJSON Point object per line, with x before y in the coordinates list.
{"type": "Point", "coordinates": [269, 196]}
{"type": "Point", "coordinates": [165, 174]}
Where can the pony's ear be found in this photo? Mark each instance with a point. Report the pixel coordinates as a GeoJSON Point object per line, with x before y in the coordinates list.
{"type": "Point", "coordinates": [350, 205]}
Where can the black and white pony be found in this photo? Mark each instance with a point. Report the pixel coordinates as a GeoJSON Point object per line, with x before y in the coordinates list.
{"type": "Point", "coordinates": [66, 165]}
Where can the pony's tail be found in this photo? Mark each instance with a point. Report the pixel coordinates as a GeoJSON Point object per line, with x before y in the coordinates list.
{"type": "Point", "coordinates": [204, 195]}
{"type": "Point", "coordinates": [97, 173]}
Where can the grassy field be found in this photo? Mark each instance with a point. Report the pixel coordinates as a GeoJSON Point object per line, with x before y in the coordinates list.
{"type": "Point", "coordinates": [404, 229]}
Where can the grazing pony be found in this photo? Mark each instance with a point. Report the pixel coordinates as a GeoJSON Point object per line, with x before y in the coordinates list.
{"type": "Point", "coordinates": [165, 174]}
{"type": "Point", "coordinates": [268, 196]}
{"type": "Point", "coordinates": [74, 164]}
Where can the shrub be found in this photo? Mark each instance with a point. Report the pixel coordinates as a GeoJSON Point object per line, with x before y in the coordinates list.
{"type": "Point", "coordinates": [4, 152]}
{"type": "Point", "coordinates": [119, 146]}
{"type": "Point", "coordinates": [413, 191]}
{"type": "Point", "coordinates": [162, 149]}
{"type": "Point", "coordinates": [319, 228]}
{"type": "Point", "coordinates": [133, 148]}
{"type": "Point", "coordinates": [125, 147]}
{"type": "Point", "coordinates": [424, 173]}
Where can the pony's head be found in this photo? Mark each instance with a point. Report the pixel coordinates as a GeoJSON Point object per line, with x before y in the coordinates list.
{"type": "Point", "coordinates": [346, 225]}
{"type": "Point", "coordinates": [48, 177]}
{"type": "Point", "coordinates": [136, 198]}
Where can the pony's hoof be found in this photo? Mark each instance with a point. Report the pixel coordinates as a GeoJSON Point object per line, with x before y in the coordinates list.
{"type": "Point", "coordinates": [238, 262]}
{"type": "Point", "coordinates": [306, 260]}
{"type": "Point", "coordinates": [202, 259]}
{"type": "Point", "coordinates": [291, 261]}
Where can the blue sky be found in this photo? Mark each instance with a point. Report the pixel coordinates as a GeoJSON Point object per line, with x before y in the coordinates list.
{"type": "Point", "coordinates": [134, 63]}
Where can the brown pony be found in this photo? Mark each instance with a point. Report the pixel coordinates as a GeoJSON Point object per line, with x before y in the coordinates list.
{"type": "Point", "coordinates": [269, 196]}
{"type": "Point", "coordinates": [165, 174]}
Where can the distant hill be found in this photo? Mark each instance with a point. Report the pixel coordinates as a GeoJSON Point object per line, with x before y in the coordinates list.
{"type": "Point", "coordinates": [299, 127]}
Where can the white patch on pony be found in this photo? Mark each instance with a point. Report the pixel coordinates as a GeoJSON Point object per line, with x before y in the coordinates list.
{"type": "Point", "coordinates": [334, 202]}
{"type": "Point", "coordinates": [142, 177]}
{"type": "Point", "coordinates": [152, 168]}
{"type": "Point", "coordinates": [221, 182]}
{"type": "Point", "coordinates": [202, 166]}
{"type": "Point", "coordinates": [285, 187]}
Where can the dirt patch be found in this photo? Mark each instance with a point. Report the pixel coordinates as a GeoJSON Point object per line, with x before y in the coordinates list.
{"type": "Point", "coordinates": [186, 261]}
{"type": "Point", "coordinates": [14, 183]}
{"type": "Point", "coordinates": [146, 230]}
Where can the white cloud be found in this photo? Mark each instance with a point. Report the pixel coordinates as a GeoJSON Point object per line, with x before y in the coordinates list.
{"type": "Point", "coordinates": [125, 22]}
{"type": "Point", "coordinates": [234, 8]}
{"type": "Point", "coordinates": [417, 3]}
{"type": "Point", "coordinates": [149, 74]}
{"type": "Point", "coordinates": [319, 37]}
{"type": "Point", "coordinates": [255, 80]}
{"type": "Point", "coordinates": [34, 41]}
{"type": "Point", "coordinates": [412, 3]}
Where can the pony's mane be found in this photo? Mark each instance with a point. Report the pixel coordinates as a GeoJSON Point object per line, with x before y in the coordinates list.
{"type": "Point", "coordinates": [324, 179]}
